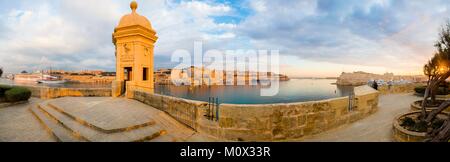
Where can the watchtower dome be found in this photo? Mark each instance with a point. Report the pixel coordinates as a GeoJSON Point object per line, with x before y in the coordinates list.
{"type": "Point", "coordinates": [134, 39]}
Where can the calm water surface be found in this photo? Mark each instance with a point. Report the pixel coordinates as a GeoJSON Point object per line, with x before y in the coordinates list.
{"type": "Point", "coordinates": [295, 90]}
{"type": "Point", "coordinates": [66, 85]}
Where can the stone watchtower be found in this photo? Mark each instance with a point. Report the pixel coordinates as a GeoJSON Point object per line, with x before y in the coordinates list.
{"type": "Point", "coordinates": [134, 40]}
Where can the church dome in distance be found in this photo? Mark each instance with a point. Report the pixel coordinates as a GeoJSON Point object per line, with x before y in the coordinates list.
{"type": "Point", "coordinates": [134, 18]}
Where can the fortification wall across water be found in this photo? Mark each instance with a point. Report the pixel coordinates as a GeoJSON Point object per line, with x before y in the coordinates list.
{"type": "Point", "coordinates": [266, 122]}
{"type": "Point", "coordinates": [56, 92]}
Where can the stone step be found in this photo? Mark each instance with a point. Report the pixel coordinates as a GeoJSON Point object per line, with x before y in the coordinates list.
{"type": "Point", "coordinates": [174, 128]}
{"type": "Point", "coordinates": [74, 113]}
{"type": "Point", "coordinates": [163, 138]}
{"type": "Point", "coordinates": [58, 131]}
{"type": "Point", "coordinates": [91, 134]}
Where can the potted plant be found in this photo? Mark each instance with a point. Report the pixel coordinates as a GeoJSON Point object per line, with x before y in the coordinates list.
{"type": "Point", "coordinates": [430, 123]}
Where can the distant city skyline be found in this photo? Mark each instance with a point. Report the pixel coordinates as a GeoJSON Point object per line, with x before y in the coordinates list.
{"type": "Point", "coordinates": [316, 38]}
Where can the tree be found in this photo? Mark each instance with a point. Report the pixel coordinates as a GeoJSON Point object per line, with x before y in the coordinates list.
{"type": "Point", "coordinates": [24, 72]}
{"type": "Point", "coordinates": [1, 72]}
{"type": "Point", "coordinates": [431, 70]}
{"type": "Point", "coordinates": [438, 70]}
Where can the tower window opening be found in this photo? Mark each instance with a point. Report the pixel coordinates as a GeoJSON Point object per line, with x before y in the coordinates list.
{"type": "Point", "coordinates": [145, 74]}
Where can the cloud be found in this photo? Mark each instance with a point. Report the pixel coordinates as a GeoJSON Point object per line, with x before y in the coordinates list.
{"type": "Point", "coordinates": [74, 35]}
{"type": "Point", "coordinates": [393, 34]}
{"type": "Point", "coordinates": [59, 34]}
{"type": "Point", "coordinates": [205, 9]}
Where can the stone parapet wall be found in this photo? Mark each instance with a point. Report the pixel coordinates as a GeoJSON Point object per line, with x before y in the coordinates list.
{"type": "Point", "coordinates": [267, 122]}
{"type": "Point", "coordinates": [89, 78]}
{"type": "Point", "coordinates": [395, 89]}
{"type": "Point", "coordinates": [290, 121]}
{"type": "Point", "coordinates": [183, 110]}
{"type": "Point", "coordinates": [51, 92]}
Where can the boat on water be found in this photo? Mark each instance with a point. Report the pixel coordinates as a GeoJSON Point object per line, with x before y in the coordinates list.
{"type": "Point", "coordinates": [52, 81]}
{"type": "Point", "coordinates": [48, 79]}
{"type": "Point", "coordinates": [27, 77]}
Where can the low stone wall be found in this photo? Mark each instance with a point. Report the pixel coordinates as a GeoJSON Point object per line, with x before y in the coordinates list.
{"type": "Point", "coordinates": [50, 92]}
{"type": "Point", "coordinates": [267, 122]}
{"type": "Point", "coordinates": [185, 111]}
{"type": "Point", "coordinates": [278, 122]}
{"type": "Point", "coordinates": [395, 89]}
{"type": "Point", "coordinates": [89, 78]}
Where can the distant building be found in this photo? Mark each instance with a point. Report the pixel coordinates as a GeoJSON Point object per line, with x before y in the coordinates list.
{"type": "Point", "coordinates": [362, 78]}
{"type": "Point", "coordinates": [202, 76]}
{"type": "Point", "coordinates": [162, 76]}
{"type": "Point", "coordinates": [91, 72]}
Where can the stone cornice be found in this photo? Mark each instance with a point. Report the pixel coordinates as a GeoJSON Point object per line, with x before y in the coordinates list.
{"type": "Point", "coordinates": [135, 30]}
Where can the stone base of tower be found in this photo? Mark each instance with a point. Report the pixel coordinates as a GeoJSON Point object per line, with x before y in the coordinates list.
{"type": "Point", "coordinates": [120, 88]}
{"type": "Point", "coordinates": [117, 88]}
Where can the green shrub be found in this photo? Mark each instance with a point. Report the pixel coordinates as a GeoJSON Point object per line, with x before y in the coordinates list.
{"type": "Point", "coordinates": [441, 90]}
{"type": "Point", "coordinates": [420, 90]}
{"type": "Point", "coordinates": [436, 124]}
{"type": "Point", "coordinates": [16, 94]}
{"type": "Point", "coordinates": [407, 122]}
{"type": "Point", "coordinates": [421, 126]}
{"type": "Point", "coordinates": [3, 89]}
{"type": "Point", "coordinates": [412, 125]}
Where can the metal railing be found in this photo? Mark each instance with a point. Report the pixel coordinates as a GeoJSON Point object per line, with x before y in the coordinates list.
{"type": "Point", "coordinates": [212, 112]}
{"type": "Point", "coordinates": [351, 101]}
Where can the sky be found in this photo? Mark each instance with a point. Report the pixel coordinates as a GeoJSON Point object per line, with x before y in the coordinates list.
{"type": "Point", "coordinates": [316, 38]}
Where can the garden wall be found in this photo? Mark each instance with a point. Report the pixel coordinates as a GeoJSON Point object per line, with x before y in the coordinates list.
{"type": "Point", "coordinates": [267, 122]}
{"type": "Point", "coordinates": [49, 92]}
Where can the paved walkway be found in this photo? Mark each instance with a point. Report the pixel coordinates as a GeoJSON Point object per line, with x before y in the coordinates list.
{"type": "Point", "coordinates": [121, 114]}
{"type": "Point", "coordinates": [17, 124]}
{"type": "Point", "coordinates": [375, 128]}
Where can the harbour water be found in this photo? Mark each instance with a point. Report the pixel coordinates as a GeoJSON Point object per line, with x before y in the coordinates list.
{"type": "Point", "coordinates": [294, 90]}
{"type": "Point", "coordinates": [65, 85]}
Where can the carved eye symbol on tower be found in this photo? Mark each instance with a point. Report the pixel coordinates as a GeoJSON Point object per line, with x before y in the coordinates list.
{"type": "Point", "coordinates": [125, 46]}
{"type": "Point", "coordinates": [146, 51]}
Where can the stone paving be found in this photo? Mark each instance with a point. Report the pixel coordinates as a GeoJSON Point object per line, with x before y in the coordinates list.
{"type": "Point", "coordinates": [375, 128]}
{"type": "Point", "coordinates": [100, 119]}
{"type": "Point", "coordinates": [17, 124]}
{"type": "Point", "coordinates": [119, 113]}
